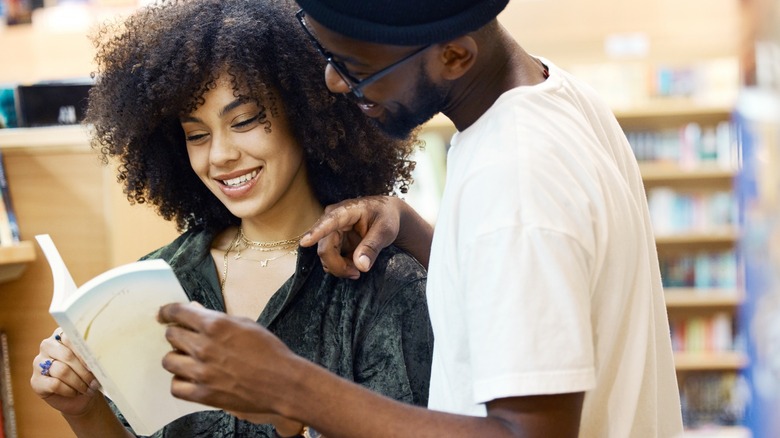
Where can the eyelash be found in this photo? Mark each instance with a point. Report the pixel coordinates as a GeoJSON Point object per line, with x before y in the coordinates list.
{"type": "Point", "coordinates": [241, 124]}
{"type": "Point", "coordinates": [192, 138]}
{"type": "Point", "coordinates": [246, 122]}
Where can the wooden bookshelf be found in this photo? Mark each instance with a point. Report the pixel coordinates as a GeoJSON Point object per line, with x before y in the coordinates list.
{"type": "Point", "coordinates": [697, 298]}
{"type": "Point", "coordinates": [60, 187]}
{"type": "Point", "coordinates": [671, 174]}
{"type": "Point", "coordinates": [709, 361]}
{"type": "Point", "coordinates": [20, 253]}
{"type": "Point", "coordinates": [695, 241]}
{"type": "Point", "coordinates": [65, 138]}
{"type": "Point", "coordinates": [677, 31]}
{"type": "Point", "coordinates": [14, 260]}
{"type": "Point", "coordinates": [691, 178]}
{"type": "Point", "coordinates": [718, 432]}
{"type": "Point", "coordinates": [664, 112]}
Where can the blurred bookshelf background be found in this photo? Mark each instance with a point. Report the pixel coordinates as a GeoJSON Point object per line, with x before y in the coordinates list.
{"type": "Point", "coordinates": [694, 85]}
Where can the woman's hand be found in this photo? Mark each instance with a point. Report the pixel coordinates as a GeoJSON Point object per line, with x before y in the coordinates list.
{"type": "Point", "coordinates": [61, 379]}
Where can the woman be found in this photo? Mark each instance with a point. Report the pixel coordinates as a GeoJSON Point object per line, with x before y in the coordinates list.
{"type": "Point", "coordinates": [220, 119]}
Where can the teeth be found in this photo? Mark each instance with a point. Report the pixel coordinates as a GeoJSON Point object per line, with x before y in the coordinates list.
{"type": "Point", "coordinates": [240, 180]}
{"type": "Point", "coordinates": [366, 106]}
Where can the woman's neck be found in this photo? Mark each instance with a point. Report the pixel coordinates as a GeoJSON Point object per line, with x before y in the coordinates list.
{"type": "Point", "coordinates": [287, 224]}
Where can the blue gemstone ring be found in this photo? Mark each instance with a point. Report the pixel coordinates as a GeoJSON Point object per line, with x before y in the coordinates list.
{"type": "Point", "coordinates": [45, 366]}
{"type": "Point", "coordinates": [58, 337]}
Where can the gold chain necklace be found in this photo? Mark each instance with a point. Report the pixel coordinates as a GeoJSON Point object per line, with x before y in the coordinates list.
{"type": "Point", "coordinates": [289, 245]}
{"type": "Point", "coordinates": [268, 246]}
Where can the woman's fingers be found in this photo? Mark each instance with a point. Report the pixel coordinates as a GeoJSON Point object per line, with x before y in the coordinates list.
{"type": "Point", "coordinates": [57, 369]}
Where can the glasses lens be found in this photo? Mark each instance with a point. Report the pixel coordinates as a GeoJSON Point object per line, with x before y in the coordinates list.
{"type": "Point", "coordinates": [340, 69]}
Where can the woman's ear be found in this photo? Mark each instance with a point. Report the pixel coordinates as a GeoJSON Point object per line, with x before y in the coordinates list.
{"type": "Point", "coordinates": [457, 57]}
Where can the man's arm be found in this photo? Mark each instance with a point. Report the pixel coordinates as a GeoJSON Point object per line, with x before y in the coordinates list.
{"type": "Point", "coordinates": [339, 408]}
{"type": "Point", "coordinates": [351, 234]}
{"type": "Point", "coordinates": [237, 365]}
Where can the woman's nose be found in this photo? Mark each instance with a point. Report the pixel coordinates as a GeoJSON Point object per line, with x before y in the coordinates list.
{"type": "Point", "coordinates": [223, 150]}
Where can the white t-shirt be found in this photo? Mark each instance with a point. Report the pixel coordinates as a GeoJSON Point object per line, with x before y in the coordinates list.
{"type": "Point", "coordinates": [544, 275]}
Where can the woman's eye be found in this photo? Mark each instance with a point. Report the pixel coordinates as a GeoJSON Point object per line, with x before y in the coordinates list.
{"type": "Point", "coordinates": [195, 137]}
{"type": "Point", "coordinates": [243, 123]}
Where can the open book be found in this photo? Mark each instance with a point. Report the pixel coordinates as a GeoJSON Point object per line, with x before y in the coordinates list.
{"type": "Point", "coordinates": [111, 321]}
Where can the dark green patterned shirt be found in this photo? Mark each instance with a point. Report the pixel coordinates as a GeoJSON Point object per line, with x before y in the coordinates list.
{"type": "Point", "coordinates": [374, 331]}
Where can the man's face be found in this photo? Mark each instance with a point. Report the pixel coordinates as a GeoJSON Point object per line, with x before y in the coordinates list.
{"type": "Point", "coordinates": [427, 99]}
{"type": "Point", "coordinates": [389, 83]}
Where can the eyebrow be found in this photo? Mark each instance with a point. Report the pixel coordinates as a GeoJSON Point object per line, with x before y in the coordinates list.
{"type": "Point", "coordinates": [226, 109]}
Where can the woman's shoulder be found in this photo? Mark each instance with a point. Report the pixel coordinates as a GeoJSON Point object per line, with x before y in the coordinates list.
{"type": "Point", "coordinates": [394, 262]}
{"type": "Point", "coordinates": [396, 279]}
{"type": "Point", "coordinates": [191, 245]}
{"type": "Point", "coordinates": [392, 294]}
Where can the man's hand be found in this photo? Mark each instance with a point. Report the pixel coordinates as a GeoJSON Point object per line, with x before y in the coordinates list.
{"type": "Point", "coordinates": [351, 234]}
{"type": "Point", "coordinates": [224, 361]}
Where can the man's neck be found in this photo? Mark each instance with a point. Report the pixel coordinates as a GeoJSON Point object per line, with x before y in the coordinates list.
{"type": "Point", "coordinates": [502, 66]}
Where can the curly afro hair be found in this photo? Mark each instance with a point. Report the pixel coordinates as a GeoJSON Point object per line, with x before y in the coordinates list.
{"type": "Point", "coordinates": [156, 65]}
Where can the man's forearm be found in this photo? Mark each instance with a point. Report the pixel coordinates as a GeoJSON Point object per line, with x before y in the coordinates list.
{"type": "Point", "coordinates": [415, 235]}
{"type": "Point", "coordinates": [342, 409]}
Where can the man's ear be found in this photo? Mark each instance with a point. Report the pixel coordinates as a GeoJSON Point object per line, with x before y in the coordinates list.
{"type": "Point", "coordinates": [457, 57]}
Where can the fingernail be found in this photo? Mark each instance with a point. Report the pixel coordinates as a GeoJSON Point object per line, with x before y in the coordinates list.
{"type": "Point", "coordinates": [94, 385]}
{"type": "Point", "coordinates": [364, 262]}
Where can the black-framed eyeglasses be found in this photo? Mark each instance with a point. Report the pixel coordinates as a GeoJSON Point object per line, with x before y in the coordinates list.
{"type": "Point", "coordinates": [355, 85]}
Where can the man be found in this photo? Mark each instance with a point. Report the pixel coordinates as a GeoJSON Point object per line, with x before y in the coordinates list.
{"type": "Point", "coordinates": [544, 288]}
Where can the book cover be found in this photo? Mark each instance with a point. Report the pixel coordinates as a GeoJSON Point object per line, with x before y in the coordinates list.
{"type": "Point", "coordinates": [7, 103]}
{"type": "Point", "coordinates": [6, 236]}
{"type": "Point", "coordinates": [6, 390]}
{"type": "Point", "coordinates": [111, 321]}
{"type": "Point", "coordinates": [9, 226]}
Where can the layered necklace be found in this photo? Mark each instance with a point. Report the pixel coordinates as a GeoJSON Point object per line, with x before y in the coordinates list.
{"type": "Point", "coordinates": [285, 247]}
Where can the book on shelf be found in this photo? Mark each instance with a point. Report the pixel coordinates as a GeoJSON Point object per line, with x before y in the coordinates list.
{"type": "Point", "coordinates": [6, 390]}
{"type": "Point", "coordinates": [690, 145]}
{"type": "Point", "coordinates": [7, 104]}
{"type": "Point", "coordinates": [679, 212]}
{"type": "Point", "coordinates": [9, 226]}
{"type": "Point", "coordinates": [111, 322]}
{"type": "Point", "coordinates": [703, 333]}
{"type": "Point", "coordinates": [701, 269]}
{"type": "Point", "coordinates": [712, 398]}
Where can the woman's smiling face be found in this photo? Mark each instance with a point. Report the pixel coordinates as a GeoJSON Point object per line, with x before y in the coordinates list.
{"type": "Point", "coordinates": [245, 155]}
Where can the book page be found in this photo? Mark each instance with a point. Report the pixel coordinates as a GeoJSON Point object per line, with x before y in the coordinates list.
{"type": "Point", "coordinates": [112, 323]}
{"type": "Point", "coordinates": [64, 286]}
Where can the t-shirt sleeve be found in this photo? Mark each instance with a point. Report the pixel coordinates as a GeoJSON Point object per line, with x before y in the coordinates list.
{"type": "Point", "coordinates": [529, 322]}
{"type": "Point", "coordinates": [526, 277]}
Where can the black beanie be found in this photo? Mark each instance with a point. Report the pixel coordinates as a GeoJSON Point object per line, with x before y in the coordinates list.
{"type": "Point", "coordinates": [403, 22]}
